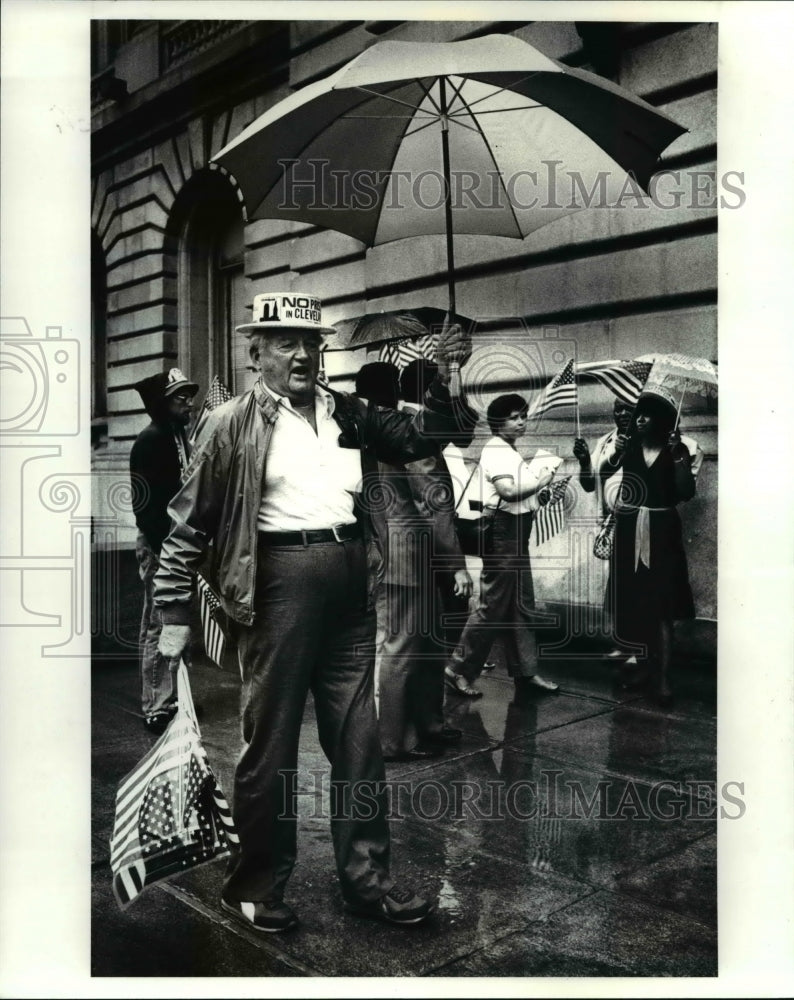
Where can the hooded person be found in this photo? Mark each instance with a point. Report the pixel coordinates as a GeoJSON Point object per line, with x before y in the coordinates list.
{"type": "Point", "coordinates": [158, 459]}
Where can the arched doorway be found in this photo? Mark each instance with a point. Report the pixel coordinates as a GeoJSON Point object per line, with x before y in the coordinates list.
{"type": "Point", "coordinates": [206, 240]}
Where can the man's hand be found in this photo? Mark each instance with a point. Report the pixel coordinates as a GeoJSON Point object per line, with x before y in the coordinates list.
{"type": "Point", "coordinates": [173, 640]}
{"type": "Point", "coordinates": [454, 347]}
{"type": "Point", "coordinates": [464, 585]}
{"type": "Point", "coordinates": [620, 445]}
{"type": "Point", "coordinates": [582, 452]}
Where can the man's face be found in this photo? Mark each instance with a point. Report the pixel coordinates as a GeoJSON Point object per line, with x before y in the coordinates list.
{"type": "Point", "coordinates": [180, 406]}
{"type": "Point", "coordinates": [289, 363]}
{"type": "Point", "coordinates": [623, 413]}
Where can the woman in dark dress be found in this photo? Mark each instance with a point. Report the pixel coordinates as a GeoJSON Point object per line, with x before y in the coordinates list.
{"type": "Point", "coordinates": [648, 585]}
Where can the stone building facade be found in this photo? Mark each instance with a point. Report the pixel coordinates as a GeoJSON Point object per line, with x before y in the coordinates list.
{"type": "Point", "coordinates": [175, 265]}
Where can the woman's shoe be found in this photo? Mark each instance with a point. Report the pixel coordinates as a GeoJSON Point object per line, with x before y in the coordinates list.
{"type": "Point", "coordinates": [458, 684]}
{"type": "Point", "coordinates": [540, 682]}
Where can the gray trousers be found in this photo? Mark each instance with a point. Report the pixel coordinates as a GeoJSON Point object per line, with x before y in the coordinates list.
{"type": "Point", "coordinates": [158, 674]}
{"type": "Point", "coordinates": [313, 632]}
{"type": "Point", "coordinates": [419, 624]}
{"type": "Point", "coordinates": [507, 603]}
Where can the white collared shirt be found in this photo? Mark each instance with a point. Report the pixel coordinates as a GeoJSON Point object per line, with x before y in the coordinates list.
{"type": "Point", "coordinates": [500, 459]}
{"type": "Point", "coordinates": [309, 479]}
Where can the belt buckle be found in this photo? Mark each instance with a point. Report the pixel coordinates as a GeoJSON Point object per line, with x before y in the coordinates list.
{"type": "Point", "coordinates": [335, 528]}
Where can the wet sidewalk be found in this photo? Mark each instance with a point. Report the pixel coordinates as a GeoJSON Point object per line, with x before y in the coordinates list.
{"type": "Point", "coordinates": [571, 836]}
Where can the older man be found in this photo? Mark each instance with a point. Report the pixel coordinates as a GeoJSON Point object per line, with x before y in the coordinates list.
{"type": "Point", "coordinates": [274, 487]}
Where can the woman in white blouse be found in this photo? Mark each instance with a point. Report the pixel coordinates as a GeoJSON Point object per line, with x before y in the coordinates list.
{"type": "Point", "coordinates": [507, 599]}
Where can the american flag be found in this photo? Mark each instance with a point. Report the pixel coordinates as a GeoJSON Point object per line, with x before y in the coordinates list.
{"type": "Point", "coordinates": [210, 608]}
{"type": "Point", "coordinates": [561, 391]}
{"type": "Point", "coordinates": [216, 394]}
{"type": "Point", "coordinates": [171, 814]}
{"type": "Point", "coordinates": [550, 518]}
{"type": "Point", "coordinates": [402, 352]}
{"type": "Point", "coordinates": [625, 378]}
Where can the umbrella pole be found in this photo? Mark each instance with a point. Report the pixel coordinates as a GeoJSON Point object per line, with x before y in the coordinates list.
{"type": "Point", "coordinates": [680, 404]}
{"type": "Point", "coordinates": [447, 200]}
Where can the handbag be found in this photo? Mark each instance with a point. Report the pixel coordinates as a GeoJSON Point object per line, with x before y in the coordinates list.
{"type": "Point", "coordinates": [473, 532]}
{"type": "Point", "coordinates": [602, 545]}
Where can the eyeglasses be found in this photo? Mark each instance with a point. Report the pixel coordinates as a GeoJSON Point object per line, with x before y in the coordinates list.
{"type": "Point", "coordinates": [182, 397]}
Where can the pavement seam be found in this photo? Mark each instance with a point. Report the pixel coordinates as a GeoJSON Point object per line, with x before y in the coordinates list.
{"type": "Point", "coordinates": [250, 936]}
{"type": "Point", "coordinates": [604, 771]}
{"type": "Point", "coordinates": [525, 925]}
{"type": "Point", "coordinates": [645, 901]}
{"type": "Point", "coordinates": [495, 745]}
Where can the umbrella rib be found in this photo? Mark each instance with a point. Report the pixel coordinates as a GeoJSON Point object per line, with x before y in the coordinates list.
{"type": "Point", "coordinates": [429, 95]}
{"type": "Point", "coordinates": [430, 118]}
{"type": "Point", "coordinates": [501, 111]}
{"type": "Point", "coordinates": [501, 90]}
{"type": "Point", "coordinates": [455, 116]}
{"type": "Point", "coordinates": [427, 124]}
{"type": "Point", "coordinates": [496, 165]}
{"type": "Point", "coordinates": [388, 97]}
{"type": "Point", "coordinates": [461, 124]}
{"type": "Point", "coordinates": [456, 93]}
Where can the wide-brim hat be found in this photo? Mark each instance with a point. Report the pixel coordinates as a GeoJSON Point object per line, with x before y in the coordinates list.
{"type": "Point", "coordinates": [660, 395]}
{"type": "Point", "coordinates": [176, 382]}
{"type": "Point", "coordinates": [286, 312]}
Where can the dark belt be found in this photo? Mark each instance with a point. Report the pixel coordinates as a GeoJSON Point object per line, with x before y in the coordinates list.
{"type": "Point", "coordinates": [313, 536]}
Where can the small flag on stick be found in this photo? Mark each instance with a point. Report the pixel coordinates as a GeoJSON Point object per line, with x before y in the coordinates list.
{"type": "Point", "coordinates": [625, 378]}
{"type": "Point", "coordinates": [402, 352]}
{"type": "Point", "coordinates": [171, 814]}
{"type": "Point", "coordinates": [561, 391]}
{"type": "Point", "coordinates": [210, 609]}
{"type": "Point", "coordinates": [216, 394]}
{"type": "Point", "coordinates": [550, 517]}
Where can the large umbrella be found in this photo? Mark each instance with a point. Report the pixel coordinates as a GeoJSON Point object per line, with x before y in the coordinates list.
{"type": "Point", "coordinates": [484, 136]}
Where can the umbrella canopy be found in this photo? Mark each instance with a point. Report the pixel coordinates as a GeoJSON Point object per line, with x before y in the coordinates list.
{"type": "Point", "coordinates": [383, 327]}
{"type": "Point", "coordinates": [483, 136]}
{"type": "Point", "coordinates": [674, 375]}
{"type": "Point", "coordinates": [681, 373]}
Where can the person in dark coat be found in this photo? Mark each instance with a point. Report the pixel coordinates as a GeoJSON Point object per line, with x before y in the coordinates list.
{"type": "Point", "coordinates": [157, 460]}
{"type": "Point", "coordinates": [648, 586]}
{"type": "Point", "coordinates": [417, 559]}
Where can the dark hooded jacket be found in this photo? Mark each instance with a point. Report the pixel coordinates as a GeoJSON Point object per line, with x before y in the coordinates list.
{"type": "Point", "coordinates": [155, 474]}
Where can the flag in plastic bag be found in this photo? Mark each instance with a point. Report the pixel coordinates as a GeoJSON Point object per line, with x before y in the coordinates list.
{"type": "Point", "coordinates": [171, 814]}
